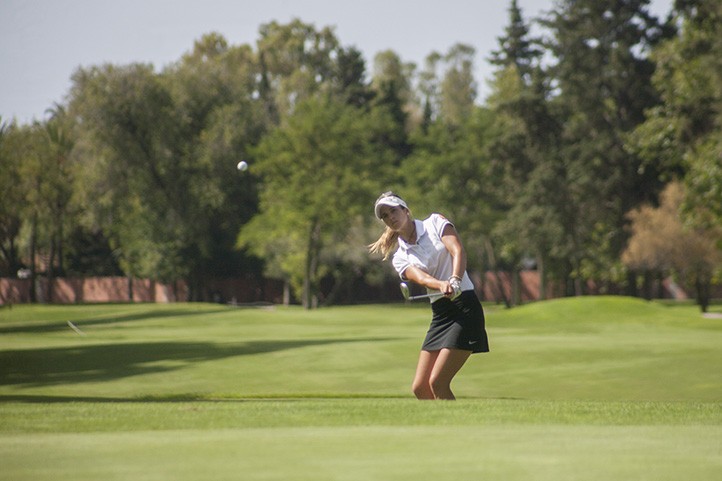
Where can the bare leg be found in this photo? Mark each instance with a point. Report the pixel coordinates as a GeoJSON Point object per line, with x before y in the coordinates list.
{"type": "Point", "coordinates": [435, 371]}
{"type": "Point", "coordinates": [447, 364]}
{"type": "Point", "coordinates": [422, 386]}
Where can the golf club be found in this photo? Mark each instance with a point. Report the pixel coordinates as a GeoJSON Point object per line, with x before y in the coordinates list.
{"type": "Point", "coordinates": [405, 292]}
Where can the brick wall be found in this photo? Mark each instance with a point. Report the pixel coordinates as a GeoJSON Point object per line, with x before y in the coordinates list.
{"type": "Point", "coordinates": [91, 289]}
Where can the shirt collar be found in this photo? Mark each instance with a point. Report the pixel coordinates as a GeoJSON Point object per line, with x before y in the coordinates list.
{"type": "Point", "coordinates": [420, 231]}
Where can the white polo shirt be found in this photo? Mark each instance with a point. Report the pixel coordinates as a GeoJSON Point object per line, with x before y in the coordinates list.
{"type": "Point", "coordinates": [429, 253]}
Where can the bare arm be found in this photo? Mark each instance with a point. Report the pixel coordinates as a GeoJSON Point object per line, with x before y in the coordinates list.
{"type": "Point", "coordinates": [453, 244]}
{"type": "Point", "coordinates": [423, 278]}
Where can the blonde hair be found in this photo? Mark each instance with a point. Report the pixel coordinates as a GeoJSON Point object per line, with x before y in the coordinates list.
{"type": "Point", "coordinates": [386, 243]}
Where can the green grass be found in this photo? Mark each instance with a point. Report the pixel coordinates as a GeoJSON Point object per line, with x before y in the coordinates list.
{"type": "Point", "coordinates": [584, 388]}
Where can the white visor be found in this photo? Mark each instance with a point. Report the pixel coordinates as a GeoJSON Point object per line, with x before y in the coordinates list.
{"type": "Point", "coordinates": [391, 201]}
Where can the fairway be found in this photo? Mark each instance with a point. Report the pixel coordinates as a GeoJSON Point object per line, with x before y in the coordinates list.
{"type": "Point", "coordinates": [583, 388]}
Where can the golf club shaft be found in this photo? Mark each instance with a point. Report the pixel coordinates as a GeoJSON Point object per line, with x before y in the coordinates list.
{"type": "Point", "coordinates": [423, 296]}
{"type": "Point", "coordinates": [405, 292]}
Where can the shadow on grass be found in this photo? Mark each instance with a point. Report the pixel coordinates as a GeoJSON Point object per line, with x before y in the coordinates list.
{"type": "Point", "coordinates": [101, 363]}
{"type": "Point", "coordinates": [195, 398]}
{"type": "Point", "coordinates": [143, 315]}
{"type": "Point", "coordinates": [45, 399]}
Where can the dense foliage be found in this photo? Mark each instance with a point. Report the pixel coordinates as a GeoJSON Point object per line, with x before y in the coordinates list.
{"type": "Point", "coordinates": [135, 173]}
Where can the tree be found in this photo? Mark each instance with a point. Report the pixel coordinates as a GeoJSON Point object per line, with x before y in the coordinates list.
{"type": "Point", "coordinates": [661, 243]}
{"type": "Point", "coordinates": [217, 110]}
{"type": "Point", "coordinates": [12, 196]}
{"type": "Point", "coordinates": [602, 81]}
{"type": "Point", "coordinates": [681, 136]}
{"type": "Point", "coordinates": [318, 170]}
{"type": "Point", "coordinates": [156, 148]}
{"type": "Point", "coordinates": [392, 85]}
{"type": "Point", "coordinates": [135, 170]}
{"type": "Point", "coordinates": [452, 95]}
{"type": "Point", "coordinates": [295, 61]}
{"type": "Point", "coordinates": [458, 88]}
{"type": "Point", "coordinates": [35, 204]}
{"type": "Point", "coordinates": [516, 47]}
{"type": "Point", "coordinates": [57, 193]}
{"type": "Point", "coordinates": [429, 89]}
{"type": "Point", "coordinates": [42, 176]}
{"type": "Point", "coordinates": [349, 78]}
{"type": "Point", "coordinates": [157, 151]}
{"type": "Point", "coordinates": [392, 98]}
{"type": "Point", "coordinates": [532, 178]}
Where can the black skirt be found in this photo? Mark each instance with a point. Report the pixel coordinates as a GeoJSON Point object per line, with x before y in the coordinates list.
{"type": "Point", "coordinates": [457, 324]}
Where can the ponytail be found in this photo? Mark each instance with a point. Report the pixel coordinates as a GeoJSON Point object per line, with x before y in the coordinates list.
{"type": "Point", "coordinates": [385, 244]}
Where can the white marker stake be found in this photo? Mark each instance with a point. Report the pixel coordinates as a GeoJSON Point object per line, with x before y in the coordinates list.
{"type": "Point", "coordinates": [76, 329]}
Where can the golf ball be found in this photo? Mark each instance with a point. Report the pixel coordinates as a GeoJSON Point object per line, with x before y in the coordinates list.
{"type": "Point", "coordinates": [242, 165]}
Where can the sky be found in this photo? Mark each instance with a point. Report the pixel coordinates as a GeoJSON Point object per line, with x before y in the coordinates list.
{"type": "Point", "coordinates": [42, 42]}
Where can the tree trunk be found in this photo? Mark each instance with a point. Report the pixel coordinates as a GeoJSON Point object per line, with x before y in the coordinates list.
{"type": "Point", "coordinates": [33, 247]}
{"type": "Point", "coordinates": [492, 265]}
{"type": "Point", "coordinates": [648, 284]}
{"type": "Point", "coordinates": [61, 262]}
{"type": "Point", "coordinates": [286, 292]}
{"type": "Point", "coordinates": [312, 253]}
{"type": "Point", "coordinates": [51, 270]}
{"type": "Point", "coordinates": [542, 278]}
{"type": "Point", "coordinates": [702, 284]}
{"type": "Point", "coordinates": [516, 286]}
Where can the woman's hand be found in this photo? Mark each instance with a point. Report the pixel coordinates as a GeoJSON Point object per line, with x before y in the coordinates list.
{"type": "Point", "coordinates": [447, 289]}
{"type": "Point", "coordinates": [455, 285]}
{"type": "Point", "coordinates": [452, 287]}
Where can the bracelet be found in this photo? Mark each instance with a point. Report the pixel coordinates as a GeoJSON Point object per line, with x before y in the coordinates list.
{"type": "Point", "coordinates": [455, 277]}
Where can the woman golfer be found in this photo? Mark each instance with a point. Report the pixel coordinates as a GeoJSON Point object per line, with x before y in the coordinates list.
{"type": "Point", "coordinates": [430, 253]}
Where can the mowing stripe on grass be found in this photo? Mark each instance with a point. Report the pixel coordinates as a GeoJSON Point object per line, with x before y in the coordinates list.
{"type": "Point", "coordinates": [513, 452]}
